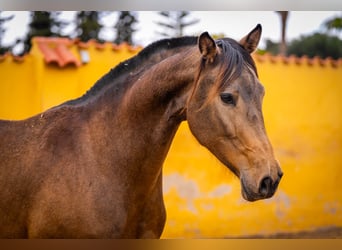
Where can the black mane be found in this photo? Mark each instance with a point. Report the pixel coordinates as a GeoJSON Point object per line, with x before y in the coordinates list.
{"type": "Point", "coordinates": [235, 56]}
{"type": "Point", "coordinates": [133, 63]}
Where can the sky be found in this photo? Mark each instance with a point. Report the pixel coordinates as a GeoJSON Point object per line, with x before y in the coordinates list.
{"type": "Point", "coordinates": [234, 24]}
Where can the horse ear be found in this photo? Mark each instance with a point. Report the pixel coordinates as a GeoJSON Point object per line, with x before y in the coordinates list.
{"type": "Point", "coordinates": [207, 46]}
{"type": "Point", "coordinates": [251, 41]}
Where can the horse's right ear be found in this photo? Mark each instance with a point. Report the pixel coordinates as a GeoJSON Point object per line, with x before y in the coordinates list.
{"type": "Point", "coordinates": [251, 41]}
{"type": "Point", "coordinates": [207, 46]}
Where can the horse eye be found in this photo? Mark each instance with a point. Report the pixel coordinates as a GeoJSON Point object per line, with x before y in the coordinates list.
{"type": "Point", "coordinates": [228, 98]}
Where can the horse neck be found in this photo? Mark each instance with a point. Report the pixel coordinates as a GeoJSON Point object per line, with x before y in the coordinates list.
{"type": "Point", "coordinates": [161, 88]}
{"type": "Point", "coordinates": [165, 86]}
{"type": "Point", "coordinates": [141, 125]}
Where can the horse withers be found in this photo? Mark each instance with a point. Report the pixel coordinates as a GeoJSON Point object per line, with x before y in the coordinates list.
{"type": "Point", "coordinates": [92, 167]}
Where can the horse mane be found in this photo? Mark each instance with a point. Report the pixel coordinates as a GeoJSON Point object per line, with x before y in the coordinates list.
{"type": "Point", "coordinates": [234, 59]}
{"type": "Point", "coordinates": [133, 63]}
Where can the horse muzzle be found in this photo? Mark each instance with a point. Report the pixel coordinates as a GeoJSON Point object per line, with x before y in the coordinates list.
{"type": "Point", "coordinates": [264, 190]}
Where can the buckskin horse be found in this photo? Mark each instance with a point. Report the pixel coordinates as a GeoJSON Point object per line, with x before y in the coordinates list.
{"type": "Point", "coordinates": [92, 167]}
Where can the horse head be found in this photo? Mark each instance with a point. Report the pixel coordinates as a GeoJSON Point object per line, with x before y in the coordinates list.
{"type": "Point", "coordinates": [224, 113]}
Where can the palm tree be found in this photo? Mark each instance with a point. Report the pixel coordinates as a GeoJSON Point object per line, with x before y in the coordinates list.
{"type": "Point", "coordinates": [284, 17]}
{"type": "Point", "coordinates": [334, 24]}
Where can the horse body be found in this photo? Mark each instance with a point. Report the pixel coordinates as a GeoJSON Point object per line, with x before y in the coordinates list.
{"type": "Point", "coordinates": [70, 189]}
{"type": "Point", "coordinates": [90, 164]}
{"type": "Point", "coordinates": [92, 167]}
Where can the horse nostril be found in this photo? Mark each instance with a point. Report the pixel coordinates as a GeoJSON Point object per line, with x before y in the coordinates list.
{"type": "Point", "coordinates": [280, 174]}
{"type": "Point", "coordinates": [265, 186]}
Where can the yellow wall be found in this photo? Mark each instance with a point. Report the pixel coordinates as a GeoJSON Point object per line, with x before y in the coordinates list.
{"type": "Point", "coordinates": [31, 86]}
{"type": "Point", "coordinates": [302, 110]}
{"type": "Point", "coordinates": [303, 117]}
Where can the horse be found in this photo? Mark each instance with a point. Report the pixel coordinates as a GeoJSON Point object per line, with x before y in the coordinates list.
{"type": "Point", "coordinates": [92, 167]}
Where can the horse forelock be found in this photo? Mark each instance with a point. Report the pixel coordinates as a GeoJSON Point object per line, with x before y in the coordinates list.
{"type": "Point", "coordinates": [234, 59]}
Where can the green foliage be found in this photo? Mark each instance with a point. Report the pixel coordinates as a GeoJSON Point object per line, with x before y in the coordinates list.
{"type": "Point", "coordinates": [3, 20]}
{"type": "Point", "coordinates": [42, 23]}
{"type": "Point", "coordinates": [334, 23]}
{"type": "Point", "coordinates": [88, 25]}
{"type": "Point", "coordinates": [318, 44]}
{"type": "Point", "coordinates": [124, 27]}
{"type": "Point", "coordinates": [174, 23]}
{"type": "Point", "coordinates": [272, 47]}
{"type": "Point", "coordinates": [216, 36]}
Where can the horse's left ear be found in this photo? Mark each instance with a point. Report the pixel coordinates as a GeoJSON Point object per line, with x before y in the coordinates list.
{"type": "Point", "coordinates": [251, 41]}
{"type": "Point", "coordinates": [207, 46]}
